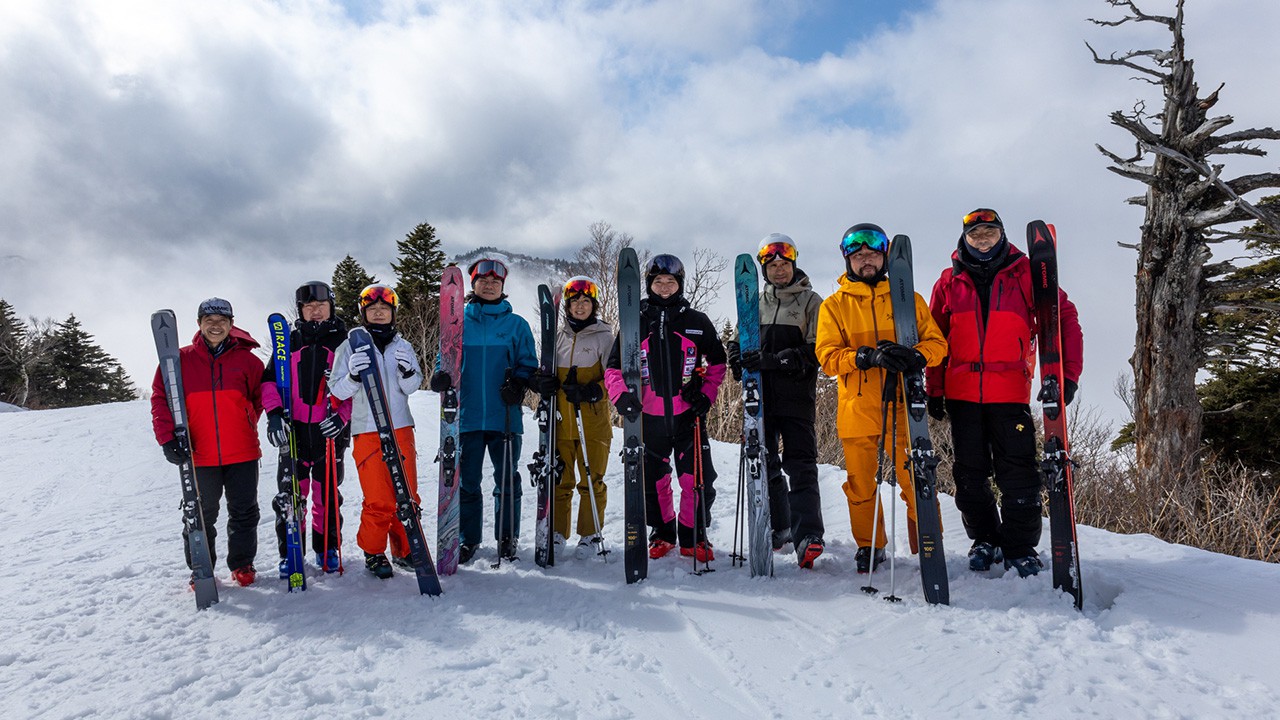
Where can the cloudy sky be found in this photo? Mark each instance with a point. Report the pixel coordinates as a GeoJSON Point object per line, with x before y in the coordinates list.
{"type": "Point", "coordinates": [157, 152]}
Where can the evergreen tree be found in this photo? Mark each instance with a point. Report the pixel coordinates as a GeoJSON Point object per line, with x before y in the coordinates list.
{"type": "Point", "coordinates": [420, 265]}
{"type": "Point", "coordinates": [349, 278]}
{"type": "Point", "coordinates": [79, 372]}
{"type": "Point", "coordinates": [13, 334]}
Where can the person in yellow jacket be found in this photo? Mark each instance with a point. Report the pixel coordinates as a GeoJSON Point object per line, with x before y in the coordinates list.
{"type": "Point", "coordinates": [583, 343]}
{"type": "Point", "coordinates": [856, 345]}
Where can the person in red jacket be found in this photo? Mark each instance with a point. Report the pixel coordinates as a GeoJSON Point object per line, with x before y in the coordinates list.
{"type": "Point", "coordinates": [983, 303]}
{"type": "Point", "coordinates": [222, 382]}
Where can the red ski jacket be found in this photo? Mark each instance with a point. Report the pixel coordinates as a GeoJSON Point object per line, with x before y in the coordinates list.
{"type": "Point", "coordinates": [224, 401]}
{"type": "Point", "coordinates": [993, 359]}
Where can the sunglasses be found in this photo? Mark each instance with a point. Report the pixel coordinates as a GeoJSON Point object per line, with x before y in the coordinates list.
{"type": "Point", "coordinates": [580, 287]}
{"type": "Point", "coordinates": [486, 267]}
{"type": "Point", "coordinates": [855, 241]}
{"type": "Point", "coordinates": [378, 293]}
{"type": "Point", "coordinates": [773, 251]}
{"type": "Point", "coordinates": [981, 216]}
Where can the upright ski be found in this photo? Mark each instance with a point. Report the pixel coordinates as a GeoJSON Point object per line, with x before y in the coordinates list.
{"type": "Point", "coordinates": [447, 511]}
{"type": "Point", "coordinates": [288, 501]}
{"type": "Point", "coordinates": [408, 511]}
{"type": "Point", "coordinates": [544, 470]}
{"type": "Point", "coordinates": [635, 555]}
{"type": "Point", "coordinates": [164, 326]}
{"type": "Point", "coordinates": [1056, 465]}
{"type": "Point", "coordinates": [924, 464]}
{"type": "Point", "coordinates": [746, 284]}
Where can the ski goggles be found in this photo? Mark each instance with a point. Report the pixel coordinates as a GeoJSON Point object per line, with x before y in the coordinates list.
{"type": "Point", "coordinates": [581, 286]}
{"type": "Point", "coordinates": [313, 292]}
{"type": "Point", "coordinates": [980, 217]}
{"type": "Point", "coordinates": [868, 238]}
{"type": "Point", "coordinates": [379, 293]}
{"type": "Point", "coordinates": [488, 267]}
{"type": "Point", "coordinates": [665, 265]}
{"type": "Point", "coordinates": [776, 250]}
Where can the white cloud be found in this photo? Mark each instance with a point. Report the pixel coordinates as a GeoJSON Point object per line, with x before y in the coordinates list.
{"type": "Point", "coordinates": [160, 152]}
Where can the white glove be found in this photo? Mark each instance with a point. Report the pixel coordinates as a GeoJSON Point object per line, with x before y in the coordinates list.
{"type": "Point", "coordinates": [357, 362]}
{"type": "Point", "coordinates": [405, 359]}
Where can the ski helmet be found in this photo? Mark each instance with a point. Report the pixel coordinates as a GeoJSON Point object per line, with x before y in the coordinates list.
{"type": "Point", "coordinates": [215, 306]}
{"type": "Point", "coordinates": [487, 266]}
{"type": "Point", "coordinates": [580, 285]}
{"type": "Point", "coordinates": [314, 291]}
{"type": "Point", "coordinates": [379, 293]}
{"type": "Point", "coordinates": [665, 265]}
{"type": "Point", "coordinates": [776, 245]}
{"type": "Point", "coordinates": [863, 235]}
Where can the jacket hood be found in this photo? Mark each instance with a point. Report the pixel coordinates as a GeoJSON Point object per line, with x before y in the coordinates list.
{"type": "Point", "coordinates": [859, 288]}
{"type": "Point", "coordinates": [237, 337]}
{"type": "Point", "coordinates": [799, 285]}
{"type": "Point", "coordinates": [494, 309]}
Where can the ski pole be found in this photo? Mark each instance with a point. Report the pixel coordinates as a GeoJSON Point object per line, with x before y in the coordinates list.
{"type": "Point", "coordinates": [737, 555]}
{"type": "Point", "coordinates": [875, 512]}
{"type": "Point", "coordinates": [700, 499]}
{"type": "Point", "coordinates": [591, 487]}
{"type": "Point", "coordinates": [891, 384]}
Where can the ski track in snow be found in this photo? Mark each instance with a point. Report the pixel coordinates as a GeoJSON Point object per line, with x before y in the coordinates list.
{"type": "Point", "coordinates": [100, 621]}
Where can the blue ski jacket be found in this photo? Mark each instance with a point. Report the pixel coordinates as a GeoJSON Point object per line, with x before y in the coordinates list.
{"type": "Point", "coordinates": [494, 340]}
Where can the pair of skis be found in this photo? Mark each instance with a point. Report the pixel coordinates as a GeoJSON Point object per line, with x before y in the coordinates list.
{"type": "Point", "coordinates": [288, 502]}
{"type": "Point", "coordinates": [545, 468]}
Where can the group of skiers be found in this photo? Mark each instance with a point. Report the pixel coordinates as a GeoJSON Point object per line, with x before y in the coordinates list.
{"type": "Point", "coordinates": [976, 344]}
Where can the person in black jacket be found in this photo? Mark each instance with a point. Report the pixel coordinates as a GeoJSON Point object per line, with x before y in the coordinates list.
{"type": "Point", "coordinates": [684, 364]}
{"type": "Point", "coordinates": [317, 420]}
{"type": "Point", "coordinates": [789, 374]}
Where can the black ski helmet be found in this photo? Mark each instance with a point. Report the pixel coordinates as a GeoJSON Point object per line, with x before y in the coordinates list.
{"type": "Point", "coordinates": [315, 291]}
{"type": "Point", "coordinates": [664, 265]}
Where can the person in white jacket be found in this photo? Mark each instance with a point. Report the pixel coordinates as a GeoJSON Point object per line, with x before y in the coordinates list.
{"type": "Point", "coordinates": [401, 377]}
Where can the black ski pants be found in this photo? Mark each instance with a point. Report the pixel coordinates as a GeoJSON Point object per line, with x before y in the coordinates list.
{"type": "Point", "coordinates": [239, 482]}
{"type": "Point", "coordinates": [794, 499]}
{"type": "Point", "coordinates": [312, 469]}
{"type": "Point", "coordinates": [665, 441]}
{"type": "Point", "coordinates": [999, 439]}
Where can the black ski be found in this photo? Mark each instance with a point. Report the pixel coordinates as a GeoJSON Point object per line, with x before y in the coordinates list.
{"type": "Point", "coordinates": [1056, 465]}
{"type": "Point", "coordinates": [924, 464]}
{"type": "Point", "coordinates": [164, 326]}
{"type": "Point", "coordinates": [408, 511]}
{"type": "Point", "coordinates": [635, 553]}
{"type": "Point", "coordinates": [544, 470]}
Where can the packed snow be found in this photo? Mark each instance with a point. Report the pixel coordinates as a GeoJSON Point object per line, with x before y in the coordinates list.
{"type": "Point", "coordinates": [100, 621]}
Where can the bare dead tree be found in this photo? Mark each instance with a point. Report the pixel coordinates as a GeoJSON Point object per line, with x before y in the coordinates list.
{"type": "Point", "coordinates": [598, 260]}
{"type": "Point", "coordinates": [25, 352]}
{"type": "Point", "coordinates": [1186, 199]}
{"type": "Point", "coordinates": [702, 286]}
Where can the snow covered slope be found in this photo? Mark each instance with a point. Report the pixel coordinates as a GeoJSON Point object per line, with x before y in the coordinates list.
{"type": "Point", "coordinates": [98, 620]}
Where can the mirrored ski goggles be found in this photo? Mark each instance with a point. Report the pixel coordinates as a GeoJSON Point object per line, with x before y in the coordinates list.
{"type": "Point", "coordinates": [666, 265]}
{"type": "Point", "coordinates": [487, 266]}
{"type": "Point", "coordinates": [773, 251]}
{"type": "Point", "coordinates": [983, 216]}
{"type": "Point", "coordinates": [313, 292]}
{"type": "Point", "coordinates": [577, 287]}
{"type": "Point", "coordinates": [855, 241]}
{"type": "Point", "coordinates": [378, 293]}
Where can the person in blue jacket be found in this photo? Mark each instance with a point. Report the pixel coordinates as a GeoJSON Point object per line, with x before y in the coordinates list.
{"type": "Point", "coordinates": [498, 360]}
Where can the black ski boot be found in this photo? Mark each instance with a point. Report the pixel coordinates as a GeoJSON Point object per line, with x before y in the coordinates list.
{"type": "Point", "coordinates": [466, 553]}
{"type": "Point", "coordinates": [863, 560]}
{"type": "Point", "coordinates": [507, 549]}
{"type": "Point", "coordinates": [983, 555]}
{"type": "Point", "coordinates": [378, 565]}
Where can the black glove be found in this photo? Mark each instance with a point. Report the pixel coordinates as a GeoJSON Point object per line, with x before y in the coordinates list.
{"type": "Point", "coordinates": [579, 394]}
{"type": "Point", "coordinates": [692, 393]}
{"type": "Point", "coordinates": [734, 353]}
{"type": "Point", "coordinates": [868, 357]}
{"type": "Point", "coordinates": [544, 383]}
{"type": "Point", "coordinates": [759, 360]}
{"type": "Point", "coordinates": [440, 381]}
{"type": "Point", "coordinates": [332, 426]}
{"type": "Point", "coordinates": [937, 407]}
{"type": "Point", "coordinates": [512, 390]}
{"type": "Point", "coordinates": [1068, 391]}
{"type": "Point", "coordinates": [790, 361]}
{"type": "Point", "coordinates": [908, 358]}
{"type": "Point", "coordinates": [175, 451]}
{"type": "Point", "coordinates": [628, 405]}
{"type": "Point", "coordinates": [276, 434]}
